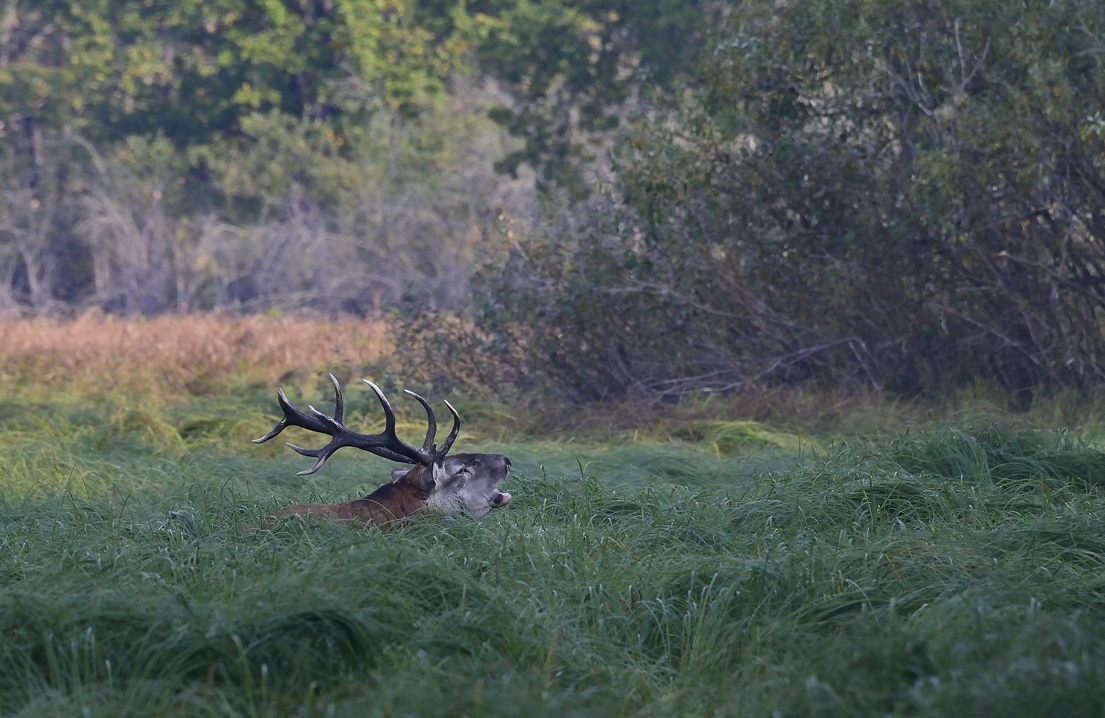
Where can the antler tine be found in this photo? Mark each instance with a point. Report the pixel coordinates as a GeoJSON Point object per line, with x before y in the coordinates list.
{"type": "Point", "coordinates": [295, 417]}
{"type": "Point", "coordinates": [444, 448]}
{"type": "Point", "coordinates": [389, 414]}
{"type": "Point", "coordinates": [424, 455]}
{"type": "Point", "coordinates": [431, 423]}
{"type": "Point", "coordinates": [321, 454]}
{"type": "Point", "coordinates": [339, 402]}
{"type": "Point", "coordinates": [341, 436]}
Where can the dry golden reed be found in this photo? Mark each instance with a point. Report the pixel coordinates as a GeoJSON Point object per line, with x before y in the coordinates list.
{"type": "Point", "coordinates": [181, 354]}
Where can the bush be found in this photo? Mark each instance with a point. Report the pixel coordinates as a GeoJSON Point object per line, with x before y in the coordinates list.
{"type": "Point", "coordinates": [858, 192]}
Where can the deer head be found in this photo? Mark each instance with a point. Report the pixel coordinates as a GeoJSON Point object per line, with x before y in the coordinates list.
{"type": "Point", "coordinates": [467, 483]}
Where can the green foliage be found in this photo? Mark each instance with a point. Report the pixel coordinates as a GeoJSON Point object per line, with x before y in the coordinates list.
{"type": "Point", "coordinates": [860, 192]}
{"type": "Point", "coordinates": [574, 69]}
{"type": "Point", "coordinates": [192, 70]}
{"type": "Point", "coordinates": [195, 71]}
{"type": "Point", "coordinates": [729, 437]}
{"type": "Point", "coordinates": [284, 118]}
{"type": "Point", "coordinates": [953, 570]}
{"type": "Point", "coordinates": [152, 151]}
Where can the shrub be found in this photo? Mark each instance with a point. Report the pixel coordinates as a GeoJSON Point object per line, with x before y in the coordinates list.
{"type": "Point", "coordinates": [858, 192]}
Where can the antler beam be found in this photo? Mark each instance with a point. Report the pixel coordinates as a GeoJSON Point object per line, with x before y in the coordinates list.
{"type": "Point", "coordinates": [386, 444]}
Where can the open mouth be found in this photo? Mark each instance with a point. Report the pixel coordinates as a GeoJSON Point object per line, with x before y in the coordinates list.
{"type": "Point", "coordinates": [500, 499]}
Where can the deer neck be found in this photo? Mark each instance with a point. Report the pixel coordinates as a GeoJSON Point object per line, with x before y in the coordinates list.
{"type": "Point", "coordinates": [403, 497]}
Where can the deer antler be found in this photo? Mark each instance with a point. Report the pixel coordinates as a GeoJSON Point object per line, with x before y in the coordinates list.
{"type": "Point", "coordinates": [386, 444]}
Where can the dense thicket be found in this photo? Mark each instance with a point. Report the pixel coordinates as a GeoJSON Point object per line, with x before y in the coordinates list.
{"type": "Point", "coordinates": [337, 154]}
{"type": "Point", "coordinates": [904, 194]}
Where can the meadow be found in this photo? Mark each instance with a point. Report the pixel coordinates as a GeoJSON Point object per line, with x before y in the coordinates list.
{"type": "Point", "coordinates": [760, 556]}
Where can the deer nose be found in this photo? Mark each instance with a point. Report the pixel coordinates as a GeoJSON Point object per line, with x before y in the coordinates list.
{"type": "Point", "coordinates": [506, 460]}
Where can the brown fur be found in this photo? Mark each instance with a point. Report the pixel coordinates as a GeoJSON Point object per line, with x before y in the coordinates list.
{"type": "Point", "coordinates": [396, 500]}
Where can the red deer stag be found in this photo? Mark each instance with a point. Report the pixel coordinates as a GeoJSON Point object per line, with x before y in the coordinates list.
{"type": "Point", "coordinates": [468, 483]}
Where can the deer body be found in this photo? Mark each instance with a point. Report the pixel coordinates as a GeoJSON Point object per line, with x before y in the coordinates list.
{"type": "Point", "coordinates": [387, 503]}
{"type": "Point", "coordinates": [465, 483]}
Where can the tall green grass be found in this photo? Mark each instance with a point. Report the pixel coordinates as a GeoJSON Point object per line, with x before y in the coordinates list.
{"type": "Point", "coordinates": [952, 569]}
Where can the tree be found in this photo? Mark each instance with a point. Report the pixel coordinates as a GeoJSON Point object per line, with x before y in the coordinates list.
{"type": "Point", "coordinates": [576, 68]}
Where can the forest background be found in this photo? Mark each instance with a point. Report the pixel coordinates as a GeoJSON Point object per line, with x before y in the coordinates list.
{"type": "Point", "coordinates": [603, 197]}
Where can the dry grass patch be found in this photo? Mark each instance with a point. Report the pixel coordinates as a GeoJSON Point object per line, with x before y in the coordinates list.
{"type": "Point", "coordinates": [174, 354]}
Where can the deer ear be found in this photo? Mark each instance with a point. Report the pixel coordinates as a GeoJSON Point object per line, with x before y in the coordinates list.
{"type": "Point", "coordinates": [438, 473]}
{"type": "Point", "coordinates": [421, 476]}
